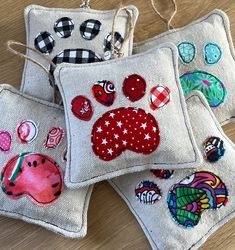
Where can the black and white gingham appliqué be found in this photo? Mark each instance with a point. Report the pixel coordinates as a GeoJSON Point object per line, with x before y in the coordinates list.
{"type": "Point", "coordinates": [44, 42]}
{"type": "Point", "coordinates": [76, 56]}
{"type": "Point", "coordinates": [64, 27]}
{"type": "Point", "coordinates": [90, 29]}
{"type": "Point", "coordinates": [118, 40]}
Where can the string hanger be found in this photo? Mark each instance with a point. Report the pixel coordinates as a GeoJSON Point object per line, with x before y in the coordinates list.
{"type": "Point", "coordinates": [85, 4]}
{"type": "Point", "coordinates": [165, 20]}
{"type": "Point", "coordinates": [10, 48]}
{"type": "Point", "coordinates": [129, 30]}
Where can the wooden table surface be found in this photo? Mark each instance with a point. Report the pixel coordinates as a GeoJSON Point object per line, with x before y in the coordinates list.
{"type": "Point", "coordinates": [110, 223]}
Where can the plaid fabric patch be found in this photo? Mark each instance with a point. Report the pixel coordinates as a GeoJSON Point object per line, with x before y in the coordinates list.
{"type": "Point", "coordinates": [118, 40]}
{"type": "Point", "coordinates": [77, 56]}
{"type": "Point", "coordinates": [64, 27]}
{"type": "Point", "coordinates": [159, 97]}
{"type": "Point", "coordinates": [90, 29]}
{"type": "Point", "coordinates": [44, 42]}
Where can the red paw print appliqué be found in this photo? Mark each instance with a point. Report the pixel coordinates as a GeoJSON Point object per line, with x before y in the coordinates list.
{"type": "Point", "coordinates": [124, 129]}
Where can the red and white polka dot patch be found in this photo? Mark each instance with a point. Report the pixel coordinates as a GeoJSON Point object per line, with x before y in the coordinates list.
{"type": "Point", "coordinates": [134, 87]}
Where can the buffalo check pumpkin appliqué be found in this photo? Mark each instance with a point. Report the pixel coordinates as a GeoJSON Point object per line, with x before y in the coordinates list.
{"type": "Point", "coordinates": [124, 129]}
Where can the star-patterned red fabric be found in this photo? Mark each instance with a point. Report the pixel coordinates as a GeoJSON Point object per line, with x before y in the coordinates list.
{"type": "Point", "coordinates": [124, 129]}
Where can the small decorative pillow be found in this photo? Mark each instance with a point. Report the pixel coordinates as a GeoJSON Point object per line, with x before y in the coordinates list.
{"type": "Point", "coordinates": [120, 115]}
{"type": "Point", "coordinates": [206, 61]}
{"type": "Point", "coordinates": [180, 209]}
{"type": "Point", "coordinates": [33, 160]}
{"type": "Point", "coordinates": [80, 35]}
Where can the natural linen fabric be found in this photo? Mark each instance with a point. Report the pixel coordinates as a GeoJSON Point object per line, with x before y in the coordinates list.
{"type": "Point", "coordinates": [40, 19]}
{"type": "Point", "coordinates": [156, 66]}
{"type": "Point", "coordinates": [156, 221]}
{"type": "Point", "coordinates": [68, 216]}
{"type": "Point", "coordinates": [212, 29]}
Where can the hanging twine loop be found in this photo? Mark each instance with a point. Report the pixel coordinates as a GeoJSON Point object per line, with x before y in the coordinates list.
{"type": "Point", "coordinates": [10, 48]}
{"type": "Point", "coordinates": [129, 31]}
{"type": "Point", "coordinates": [85, 4]}
{"type": "Point", "coordinates": [165, 20]}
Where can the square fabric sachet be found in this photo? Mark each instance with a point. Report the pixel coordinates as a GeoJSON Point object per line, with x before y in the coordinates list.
{"type": "Point", "coordinates": [206, 61]}
{"type": "Point", "coordinates": [80, 35]}
{"type": "Point", "coordinates": [33, 160]}
{"type": "Point", "coordinates": [180, 209]}
{"type": "Point", "coordinates": [119, 116]}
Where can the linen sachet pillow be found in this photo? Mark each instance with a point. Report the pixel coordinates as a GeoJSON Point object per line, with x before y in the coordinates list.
{"type": "Point", "coordinates": [120, 115]}
{"type": "Point", "coordinates": [206, 60]}
{"type": "Point", "coordinates": [80, 35]}
{"type": "Point", "coordinates": [33, 160]}
{"type": "Point", "coordinates": [180, 209]}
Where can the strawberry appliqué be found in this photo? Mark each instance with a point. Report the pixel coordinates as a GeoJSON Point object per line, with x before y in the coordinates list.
{"type": "Point", "coordinates": [124, 129]}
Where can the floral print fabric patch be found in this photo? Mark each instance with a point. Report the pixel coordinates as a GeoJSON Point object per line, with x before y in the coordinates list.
{"type": "Point", "coordinates": [212, 87]}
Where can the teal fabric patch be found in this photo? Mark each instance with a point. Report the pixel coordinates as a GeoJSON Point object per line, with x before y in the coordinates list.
{"type": "Point", "coordinates": [212, 53]}
{"type": "Point", "coordinates": [187, 52]}
{"type": "Point", "coordinates": [213, 88]}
